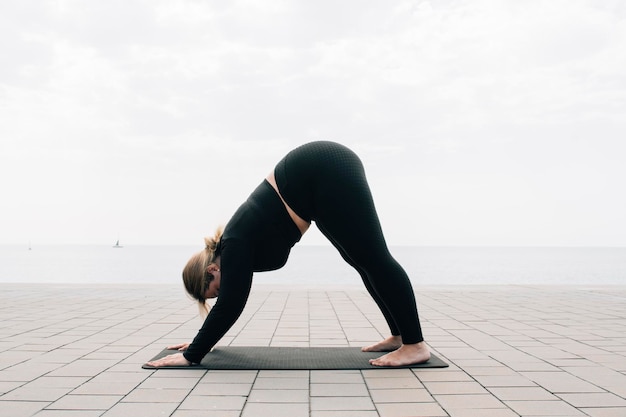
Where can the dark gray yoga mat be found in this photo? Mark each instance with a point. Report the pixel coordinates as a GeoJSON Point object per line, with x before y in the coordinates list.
{"type": "Point", "coordinates": [258, 357]}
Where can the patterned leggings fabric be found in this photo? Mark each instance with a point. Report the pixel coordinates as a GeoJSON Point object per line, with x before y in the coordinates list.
{"type": "Point", "coordinates": [325, 182]}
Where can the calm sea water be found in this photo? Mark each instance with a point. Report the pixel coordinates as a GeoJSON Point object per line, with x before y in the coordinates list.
{"type": "Point", "coordinates": [321, 265]}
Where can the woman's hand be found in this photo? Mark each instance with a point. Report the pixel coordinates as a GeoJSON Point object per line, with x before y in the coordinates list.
{"type": "Point", "coordinates": [177, 359]}
{"type": "Point", "coordinates": [182, 347]}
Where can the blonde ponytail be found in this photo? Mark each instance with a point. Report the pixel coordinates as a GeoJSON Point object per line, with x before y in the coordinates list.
{"type": "Point", "coordinates": [213, 242]}
{"type": "Point", "coordinates": [194, 272]}
{"type": "Point", "coordinates": [203, 309]}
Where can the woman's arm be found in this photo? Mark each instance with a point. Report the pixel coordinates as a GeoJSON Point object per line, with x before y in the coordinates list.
{"type": "Point", "coordinates": [236, 280]}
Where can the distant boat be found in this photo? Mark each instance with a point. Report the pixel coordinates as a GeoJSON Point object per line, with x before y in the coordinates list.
{"type": "Point", "coordinates": [117, 244]}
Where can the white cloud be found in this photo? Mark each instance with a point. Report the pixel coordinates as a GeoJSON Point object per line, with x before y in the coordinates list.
{"type": "Point", "coordinates": [467, 113]}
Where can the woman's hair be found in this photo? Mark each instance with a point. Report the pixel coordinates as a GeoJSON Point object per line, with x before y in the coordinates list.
{"type": "Point", "coordinates": [195, 276]}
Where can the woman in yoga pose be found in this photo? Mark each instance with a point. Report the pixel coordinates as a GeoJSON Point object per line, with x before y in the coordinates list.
{"type": "Point", "coordinates": [322, 182]}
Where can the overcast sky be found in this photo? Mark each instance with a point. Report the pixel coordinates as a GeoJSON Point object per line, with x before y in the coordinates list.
{"type": "Point", "coordinates": [479, 122]}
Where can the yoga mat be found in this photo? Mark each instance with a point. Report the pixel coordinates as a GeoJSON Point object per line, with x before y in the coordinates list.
{"type": "Point", "coordinates": [258, 357]}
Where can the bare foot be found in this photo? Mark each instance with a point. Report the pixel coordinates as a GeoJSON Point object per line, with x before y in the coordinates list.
{"type": "Point", "coordinates": [387, 345]}
{"type": "Point", "coordinates": [405, 355]}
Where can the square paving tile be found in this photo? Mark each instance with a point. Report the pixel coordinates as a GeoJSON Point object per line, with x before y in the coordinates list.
{"type": "Point", "coordinates": [275, 410]}
{"type": "Point", "coordinates": [599, 399]}
{"type": "Point", "coordinates": [209, 402]}
{"type": "Point", "coordinates": [339, 390]}
{"type": "Point", "coordinates": [543, 408]}
{"type": "Point", "coordinates": [85, 402]}
{"type": "Point", "coordinates": [20, 408]}
{"type": "Point", "coordinates": [468, 401]}
{"type": "Point", "coordinates": [342, 403]}
{"type": "Point", "coordinates": [411, 409]}
{"type": "Point", "coordinates": [410, 395]}
{"type": "Point", "coordinates": [141, 410]}
{"type": "Point", "coordinates": [278, 396]}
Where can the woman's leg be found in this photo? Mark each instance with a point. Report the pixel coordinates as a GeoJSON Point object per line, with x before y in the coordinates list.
{"type": "Point", "coordinates": [345, 212]}
{"type": "Point", "coordinates": [326, 182]}
{"type": "Point", "coordinates": [386, 280]}
{"type": "Point", "coordinates": [379, 302]}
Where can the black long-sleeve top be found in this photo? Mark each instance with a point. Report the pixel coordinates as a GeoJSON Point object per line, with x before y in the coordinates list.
{"type": "Point", "coordinates": [257, 238]}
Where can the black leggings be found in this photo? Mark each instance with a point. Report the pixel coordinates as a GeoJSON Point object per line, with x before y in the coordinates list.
{"type": "Point", "coordinates": [325, 182]}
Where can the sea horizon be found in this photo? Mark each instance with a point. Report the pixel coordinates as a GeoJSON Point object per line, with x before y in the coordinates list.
{"type": "Point", "coordinates": [321, 264]}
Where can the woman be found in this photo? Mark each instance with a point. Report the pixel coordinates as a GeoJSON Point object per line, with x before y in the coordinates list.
{"type": "Point", "coordinates": [322, 182]}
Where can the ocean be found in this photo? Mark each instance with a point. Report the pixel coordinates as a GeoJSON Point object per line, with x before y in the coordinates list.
{"type": "Point", "coordinates": [321, 265]}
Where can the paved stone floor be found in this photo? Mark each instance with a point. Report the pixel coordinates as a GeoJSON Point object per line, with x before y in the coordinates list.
{"type": "Point", "coordinates": [513, 351]}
